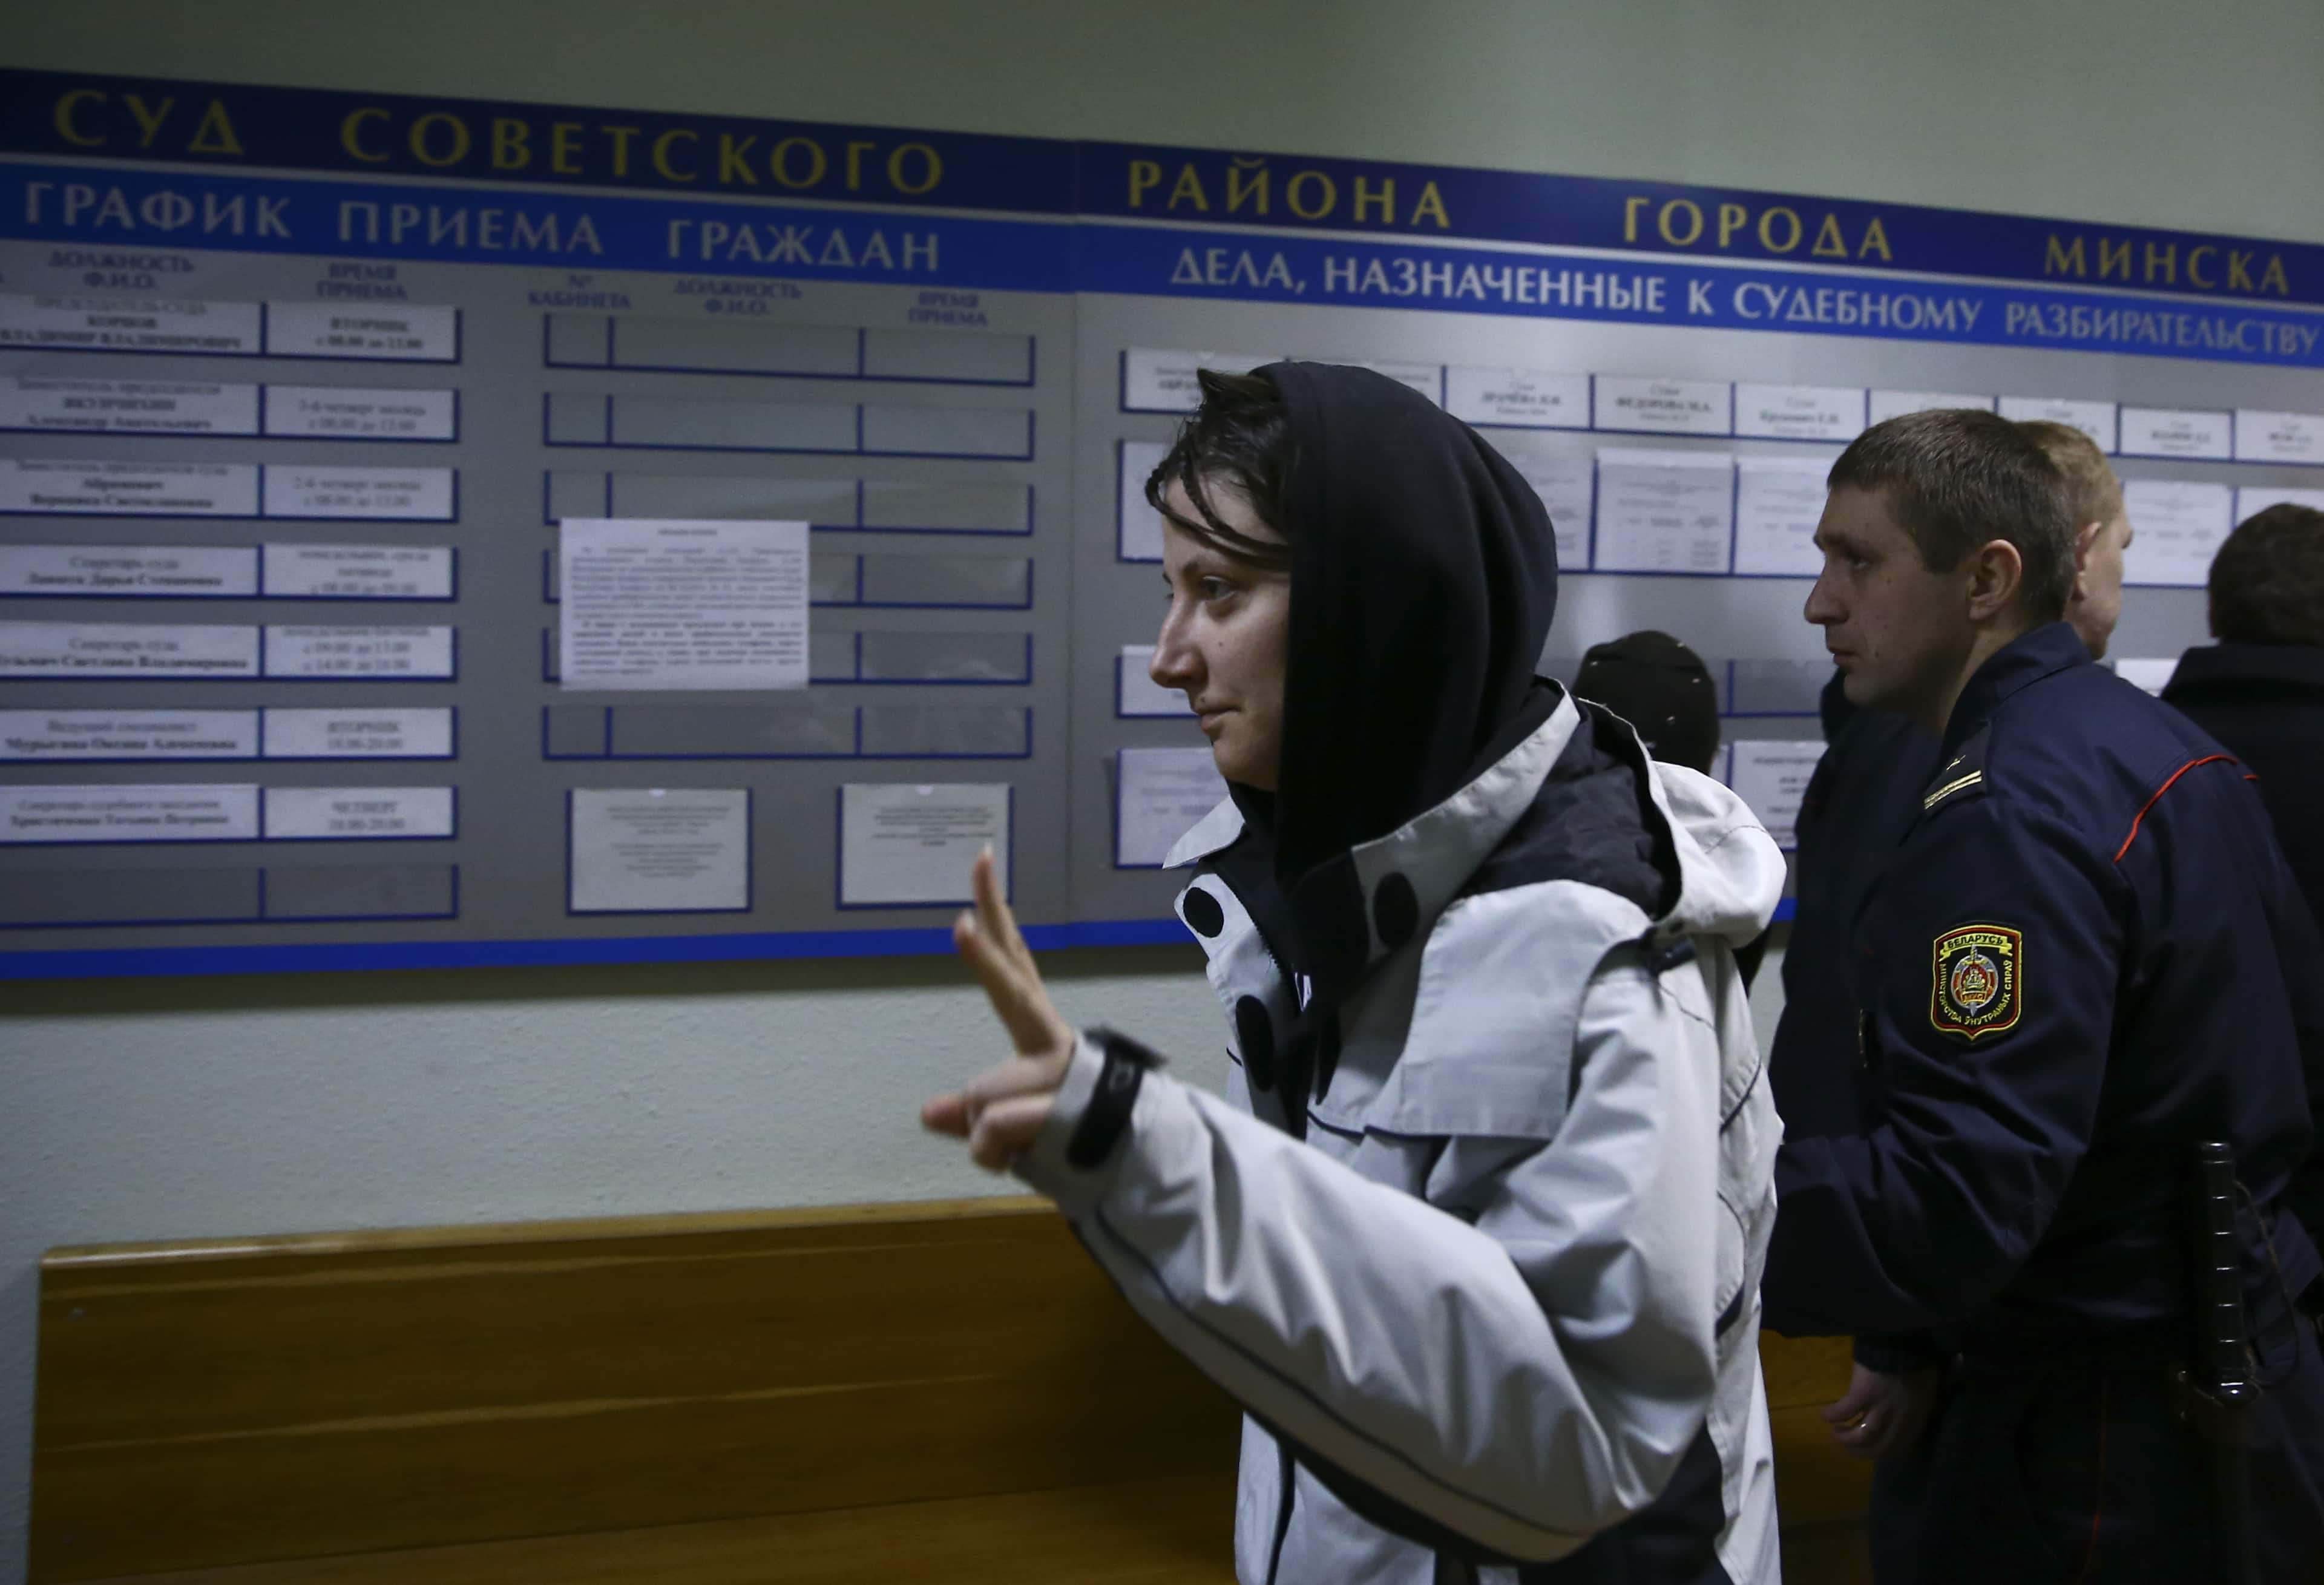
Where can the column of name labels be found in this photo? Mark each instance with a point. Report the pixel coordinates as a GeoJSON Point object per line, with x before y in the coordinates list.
{"type": "Point", "coordinates": [903, 844]}
{"type": "Point", "coordinates": [686, 604]}
{"type": "Point", "coordinates": [1159, 794]}
{"type": "Point", "coordinates": [170, 407]}
{"type": "Point", "coordinates": [290, 572]}
{"type": "Point", "coordinates": [68, 488]}
{"type": "Point", "coordinates": [139, 650]}
{"type": "Point", "coordinates": [1772, 776]}
{"type": "Point", "coordinates": [659, 850]}
{"type": "Point", "coordinates": [274, 732]}
{"type": "Point", "coordinates": [1664, 512]}
{"type": "Point", "coordinates": [392, 332]}
{"type": "Point", "coordinates": [2176, 528]}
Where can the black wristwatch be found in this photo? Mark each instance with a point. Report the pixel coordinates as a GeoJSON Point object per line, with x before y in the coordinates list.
{"type": "Point", "coordinates": [1107, 1115]}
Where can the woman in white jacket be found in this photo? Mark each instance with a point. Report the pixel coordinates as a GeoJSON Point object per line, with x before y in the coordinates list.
{"type": "Point", "coordinates": [1476, 1237]}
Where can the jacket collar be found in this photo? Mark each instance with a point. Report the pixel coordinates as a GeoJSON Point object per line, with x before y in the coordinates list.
{"type": "Point", "coordinates": [2298, 666]}
{"type": "Point", "coordinates": [2024, 661]}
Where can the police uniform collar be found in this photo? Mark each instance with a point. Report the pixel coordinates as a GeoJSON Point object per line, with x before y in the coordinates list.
{"type": "Point", "coordinates": [2025, 659]}
{"type": "Point", "coordinates": [2296, 666]}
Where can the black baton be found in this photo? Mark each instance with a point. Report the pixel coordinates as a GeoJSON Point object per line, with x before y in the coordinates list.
{"type": "Point", "coordinates": [2218, 1388]}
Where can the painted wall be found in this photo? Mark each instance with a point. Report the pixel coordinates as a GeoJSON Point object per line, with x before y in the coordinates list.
{"type": "Point", "coordinates": [174, 1109]}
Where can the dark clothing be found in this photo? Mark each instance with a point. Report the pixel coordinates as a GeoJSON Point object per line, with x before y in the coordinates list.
{"type": "Point", "coordinates": [2265, 703]}
{"type": "Point", "coordinates": [1864, 795]}
{"type": "Point", "coordinates": [2084, 956]}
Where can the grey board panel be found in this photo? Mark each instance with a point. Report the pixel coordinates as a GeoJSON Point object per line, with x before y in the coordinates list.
{"type": "Point", "coordinates": [573, 731]}
{"type": "Point", "coordinates": [733, 426]}
{"type": "Point", "coordinates": [806, 726]}
{"type": "Point", "coordinates": [361, 892]}
{"type": "Point", "coordinates": [576, 418]}
{"type": "Point", "coordinates": [577, 340]}
{"type": "Point", "coordinates": [980, 507]}
{"type": "Point", "coordinates": [949, 580]}
{"type": "Point", "coordinates": [828, 503]}
{"type": "Point", "coordinates": [831, 657]}
{"type": "Point", "coordinates": [920, 657]}
{"type": "Point", "coordinates": [966, 356]}
{"type": "Point", "coordinates": [577, 492]}
{"type": "Point", "coordinates": [725, 346]}
{"type": "Point", "coordinates": [895, 430]}
{"type": "Point", "coordinates": [947, 730]}
{"type": "Point", "coordinates": [830, 577]}
{"type": "Point", "coordinates": [128, 896]}
{"type": "Point", "coordinates": [1772, 687]}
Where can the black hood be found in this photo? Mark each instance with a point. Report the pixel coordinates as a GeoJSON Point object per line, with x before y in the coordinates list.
{"type": "Point", "coordinates": [1423, 577]}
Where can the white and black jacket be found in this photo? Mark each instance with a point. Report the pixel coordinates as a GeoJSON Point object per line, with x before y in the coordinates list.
{"type": "Point", "coordinates": [1477, 1252]}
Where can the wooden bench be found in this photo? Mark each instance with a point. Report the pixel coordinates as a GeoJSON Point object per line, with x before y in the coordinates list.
{"type": "Point", "coordinates": [947, 1391]}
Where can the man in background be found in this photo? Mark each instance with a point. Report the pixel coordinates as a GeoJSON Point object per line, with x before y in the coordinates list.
{"type": "Point", "coordinates": [2260, 688]}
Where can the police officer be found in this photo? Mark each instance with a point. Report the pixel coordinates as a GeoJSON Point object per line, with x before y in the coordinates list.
{"type": "Point", "coordinates": [2083, 958]}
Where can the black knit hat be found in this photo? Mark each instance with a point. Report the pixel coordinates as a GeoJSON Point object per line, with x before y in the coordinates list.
{"type": "Point", "coordinates": [1660, 686]}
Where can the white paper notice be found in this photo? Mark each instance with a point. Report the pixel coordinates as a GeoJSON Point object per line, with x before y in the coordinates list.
{"type": "Point", "coordinates": [661, 851]}
{"type": "Point", "coordinates": [1157, 381]}
{"type": "Point", "coordinates": [902, 843]}
{"type": "Point", "coordinates": [1772, 776]}
{"type": "Point", "coordinates": [130, 489]}
{"type": "Point", "coordinates": [1799, 412]}
{"type": "Point", "coordinates": [1137, 693]}
{"type": "Point", "coordinates": [128, 735]}
{"type": "Point", "coordinates": [2257, 498]}
{"type": "Point", "coordinates": [350, 732]}
{"type": "Point", "coordinates": [1564, 485]}
{"type": "Point", "coordinates": [2175, 530]}
{"type": "Point", "coordinates": [1664, 511]}
{"type": "Point", "coordinates": [401, 495]}
{"type": "Point", "coordinates": [345, 813]}
{"type": "Point", "coordinates": [89, 649]}
{"type": "Point", "coordinates": [128, 406]}
{"type": "Point", "coordinates": [359, 572]}
{"type": "Point", "coordinates": [360, 651]}
{"type": "Point", "coordinates": [1518, 399]}
{"type": "Point", "coordinates": [648, 603]}
{"type": "Point", "coordinates": [2269, 437]}
{"type": "Point", "coordinates": [128, 814]}
{"type": "Point", "coordinates": [97, 324]}
{"type": "Point", "coordinates": [1161, 793]}
{"type": "Point", "coordinates": [2163, 431]}
{"type": "Point", "coordinates": [128, 571]}
{"type": "Point", "coordinates": [397, 331]}
{"type": "Point", "coordinates": [2152, 676]}
{"type": "Point", "coordinates": [1137, 525]}
{"type": "Point", "coordinates": [1663, 407]}
{"type": "Point", "coordinates": [323, 412]}
{"type": "Point", "coordinates": [1894, 404]}
{"type": "Point", "coordinates": [1778, 502]}
{"type": "Point", "coordinates": [2093, 418]}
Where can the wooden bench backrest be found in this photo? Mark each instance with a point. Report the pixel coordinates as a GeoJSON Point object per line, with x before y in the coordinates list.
{"type": "Point", "coordinates": [214, 1402]}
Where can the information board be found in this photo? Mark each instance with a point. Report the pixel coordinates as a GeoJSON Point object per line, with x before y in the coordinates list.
{"type": "Point", "coordinates": [312, 404]}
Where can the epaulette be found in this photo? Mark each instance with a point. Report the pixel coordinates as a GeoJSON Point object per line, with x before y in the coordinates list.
{"type": "Point", "coordinates": [1962, 777]}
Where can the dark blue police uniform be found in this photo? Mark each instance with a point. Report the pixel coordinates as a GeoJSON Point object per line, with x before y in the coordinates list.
{"type": "Point", "coordinates": [2083, 957]}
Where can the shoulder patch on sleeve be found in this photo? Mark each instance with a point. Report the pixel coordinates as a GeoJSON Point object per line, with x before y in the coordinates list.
{"type": "Point", "coordinates": [1976, 980]}
{"type": "Point", "coordinates": [1961, 777]}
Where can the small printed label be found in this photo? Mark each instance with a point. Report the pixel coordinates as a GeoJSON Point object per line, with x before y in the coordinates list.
{"type": "Point", "coordinates": [100, 650]}
{"type": "Point", "coordinates": [350, 733]}
{"type": "Point", "coordinates": [40, 735]}
{"type": "Point", "coordinates": [359, 651]}
{"type": "Point", "coordinates": [128, 814]}
{"type": "Point", "coordinates": [343, 813]}
{"type": "Point", "coordinates": [98, 324]}
{"type": "Point", "coordinates": [2093, 418]}
{"type": "Point", "coordinates": [375, 330]}
{"type": "Point", "coordinates": [1885, 405]}
{"type": "Point", "coordinates": [129, 489]}
{"type": "Point", "coordinates": [322, 412]}
{"type": "Point", "coordinates": [1663, 407]}
{"type": "Point", "coordinates": [1158, 381]}
{"type": "Point", "coordinates": [128, 406]}
{"type": "Point", "coordinates": [405, 494]}
{"type": "Point", "coordinates": [1799, 412]}
{"type": "Point", "coordinates": [127, 571]}
{"type": "Point", "coordinates": [359, 572]}
{"type": "Point", "coordinates": [2158, 432]}
{"type": "Point", "coordinates": [2270, 436]}
{"type": "Point", "coordinates": [1520, 399]}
